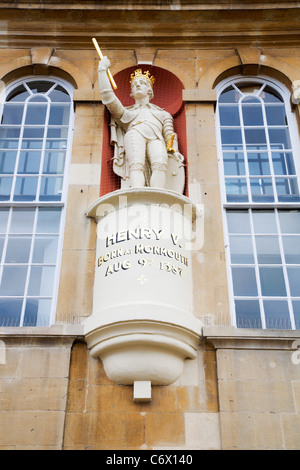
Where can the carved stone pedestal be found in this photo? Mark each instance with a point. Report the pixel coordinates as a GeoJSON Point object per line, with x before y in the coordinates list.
{"type": "Point", "coordinates": [142, 325]}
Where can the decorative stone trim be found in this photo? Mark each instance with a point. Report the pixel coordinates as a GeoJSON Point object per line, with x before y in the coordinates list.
{"type": "Point", "coordinates": [227, 337]}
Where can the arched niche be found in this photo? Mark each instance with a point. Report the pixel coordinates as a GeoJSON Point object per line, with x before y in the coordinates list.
{"type": "Point", "coordinates": [167, 94]}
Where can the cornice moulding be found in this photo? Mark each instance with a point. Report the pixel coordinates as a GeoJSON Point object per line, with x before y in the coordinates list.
{"type": "Point", "coordinates": [226, 337]}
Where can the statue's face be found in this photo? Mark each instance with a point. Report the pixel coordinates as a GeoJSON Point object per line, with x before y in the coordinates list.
{"type": "Point", "coordinates": [140, 88]}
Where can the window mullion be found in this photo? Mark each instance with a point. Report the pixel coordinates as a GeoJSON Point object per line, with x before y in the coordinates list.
{"type": "Point", "coordinates": [29, 266]}
{"type": "Point", "coordinates": [18, 152]}
{"type": "Point", "coordinates": [285, 273]}
{"type": "Point", "coordinates": [43, 152]}
{"type": "Point", "coordinates": [245, 150]}
{"type": "Point", "coordinates": [256, 267]}
{"type": "Point", "coordinates": [5, 244]}
{"type": "Point", "coordinates": [269, 150]}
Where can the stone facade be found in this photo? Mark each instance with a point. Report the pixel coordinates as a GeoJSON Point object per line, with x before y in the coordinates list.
{"type": "Point", "coordinates": [243, 390]}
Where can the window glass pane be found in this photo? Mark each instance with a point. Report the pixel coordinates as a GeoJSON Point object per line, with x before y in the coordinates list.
{"type": "Point", "coordinates": [283, 163]}
{"type": "Point", "coordinates": [231, 136]}
{"type": "Point", "coordinates": [51, 189]}
{"type": "Point", "coordinates": [229, 115]}
{"type": "Point", "coordinates": [248, 314]}
{"type": "Point", "coordinates": [38, 99]}
{"type": "Point", "coordinates": [264, 221]}
{"type": "Point", "coordinates": [13, 280]}
{"type": "Point", "coordinates": [252, 115]}
{"type": "Point", "coordinates": [277, 314]}
{"type": "Point", "coordinates": [9, 144]}
{"type": "Point", "coordinates": [41, 280]}
{"type": "Point", "coordinates": [244, 281]}
{"type": "Point", "coordinates": [262, 189]}
{"type": "Point", "coordinates": [12, 114]}
{"type": "Point", "coordinates": [48, 220]}
{"type": "Point", "coordinates": [36, 114]}
{"type": "Point", "coordinates": [272, 282]}
{"type": "Point", "coordinates": [236, 189]}
{"type": "Point", "coordinates": [56, 133]}
{"type": "Point", "coordinates": [32, 144]}
{"type": "Point", "coordinates": [45, 249]}
{"type": "Point", "coordinates": [268, 251]}
{"type": "Point", "coordinates": [29, 162]}
{"type": "Point", "coordinates": [5, 188]}
{"type": "Point", "coordinates": [287, 189]}
{"type": "Point", "coordinates": [258, 163]}
{"type": "Point", "coordinates": [59, 94]}
{"type": "Point", "coordinates": [37, 312]}
{"type": "Point", "coordinates": [296, 309]}
{"type": "Point", "coordinates": [59, 115]}
{"type": "Point", "coordinates": [234, 163]}
{"type": "Point", "coordinates": [9, 132]}
{"type": "Point", "coordinates": [289, 221]}
{"type": "Point", "coordinates": [270, 95]}
{"type": "Point", "coordinates": [276, 115]}
{"type": "Point", "coordinates": [22, 221]}
{"type": "Point", "coordinates": [241, 250]}
{"type": "Point", "coordinates": [56, 144]}
{"type": "Point", "coordinates": [7, 162]}
{"type": "Point", "coordinates": [238, 221]}
{"type": "Point", "coordinates": [25, 189]}
{"type": "Point", "coordinates": [229, 95]}
{"type": "Point", "coordinates": [10, 312]}
{"type": "Point", "coordinates": [18, 250]}
{"type": "Point", "coordinates": [255, 137]}
{"type": "Point", "coordinates": [4, 213]}
{"type": "Point", "coordinates": [54, 162]}
{"type": "Point", "coordinates": [40, 86]}
{"type": "Point", "coordinates": [18, 94]}
{"type": "Point", "coordinates": [279, 138]}
{"type": "Point", "coordinates": [33, 132]}
{"type": "Point", "coordinates": [250, 89]}
{"type": "Point", "coordinates": [291, 248]}
{"type": "Point", "coordinates": [294, 281]}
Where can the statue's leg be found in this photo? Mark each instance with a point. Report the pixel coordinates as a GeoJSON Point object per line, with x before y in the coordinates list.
{"type": "Point", "coordinates": [158, 157]}
{"type": "Point", "coordinates": [135, 150]}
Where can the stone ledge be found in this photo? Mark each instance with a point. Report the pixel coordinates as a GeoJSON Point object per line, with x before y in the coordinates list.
{"type": "Point", "coordinates": [66, 330]}
{"type": "Point", "coordinates": [221, 337]}
{"type": "Point", "coordinates": [227, 337]}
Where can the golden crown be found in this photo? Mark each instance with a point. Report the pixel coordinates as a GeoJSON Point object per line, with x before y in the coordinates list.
{"type": "Point", "coordinates": [139, 74]}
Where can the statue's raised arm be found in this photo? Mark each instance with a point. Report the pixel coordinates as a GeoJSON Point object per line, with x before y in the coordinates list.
{"type": "Point", "coordinates": [143, 134]}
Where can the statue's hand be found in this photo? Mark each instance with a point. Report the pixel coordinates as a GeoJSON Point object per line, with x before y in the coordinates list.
{"type": "Point", "coordinates": [104, 64]}
{"type": "Point", "coordinates": [177, 156]}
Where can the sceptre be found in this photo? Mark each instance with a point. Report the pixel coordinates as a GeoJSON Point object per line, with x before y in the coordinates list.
{"type": "Point", "coordinates": [101, 57]}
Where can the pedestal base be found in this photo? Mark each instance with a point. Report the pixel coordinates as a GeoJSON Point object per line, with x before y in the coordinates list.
{"type": "Point", "coordinates": [142, 326]}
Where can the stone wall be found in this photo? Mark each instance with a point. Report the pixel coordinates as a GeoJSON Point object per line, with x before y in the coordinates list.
{"type": "Point", "coordinates": [102, 415]}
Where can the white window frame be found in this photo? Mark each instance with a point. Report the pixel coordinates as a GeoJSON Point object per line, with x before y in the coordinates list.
{"type": "Point", "coordinates": [44, 204]}
{"type": "Point", "coordinates": [295, 146]}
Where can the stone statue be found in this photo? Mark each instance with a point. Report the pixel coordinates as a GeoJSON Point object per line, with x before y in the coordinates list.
{"type": "Point", "coordinates": [145, 144]}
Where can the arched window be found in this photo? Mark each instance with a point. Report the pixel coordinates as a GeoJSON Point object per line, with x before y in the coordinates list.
{"type": "Point", "coordinates": [259, 158]}
{"type": "Point", "coordinates": [35, 141]}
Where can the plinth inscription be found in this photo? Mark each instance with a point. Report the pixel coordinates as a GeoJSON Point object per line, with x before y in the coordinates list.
{"type": "Point", "coordinates": [158, 249]}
